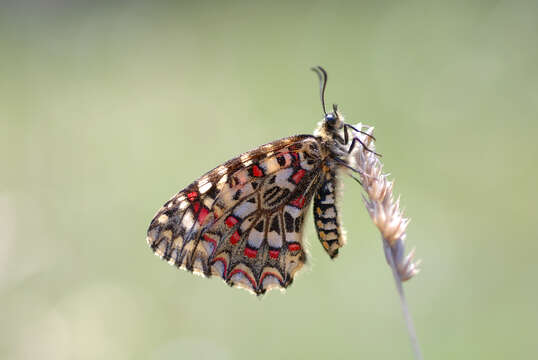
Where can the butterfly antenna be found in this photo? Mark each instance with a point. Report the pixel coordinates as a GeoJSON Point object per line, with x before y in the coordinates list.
{"type": "Point", "coordinates": [322, 75]}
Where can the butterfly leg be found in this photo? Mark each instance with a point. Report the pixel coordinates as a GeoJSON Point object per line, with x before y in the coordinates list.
{"type": "Point", "coordinates": [355, 140]}
{"type": "Point", "coordinates": [345, 140]}
{"type": "Point", "coordinates": [359, 131]}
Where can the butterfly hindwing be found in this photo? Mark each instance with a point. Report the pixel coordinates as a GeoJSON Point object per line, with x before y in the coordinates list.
{"type": "Point", "coordinates": [243, 220]}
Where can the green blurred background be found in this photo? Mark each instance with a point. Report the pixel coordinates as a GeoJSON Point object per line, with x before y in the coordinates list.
{"type": "Point", "coordinates": [108, 110]}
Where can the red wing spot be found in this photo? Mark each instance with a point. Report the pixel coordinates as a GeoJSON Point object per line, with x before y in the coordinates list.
{"type": "Point", "coordinates": [196, 206]}
{"type": "Point", "coordinates": [294, 247]}
{"type": "Point", "coordinates": [235, 238]}
{"type": "Point", "coordinates": [298, 176]}
{"type": "Point", "coordinates": [256, 171]}
{"type": "Point", "coordinates": [299, 202]}
{"type": "Point", "coordinates": [251, 253]}
{"type": "Point", "coordinates": [252, 282]}
{"type": "Point", "coordinates": [231, 221]}
{"type": "Point", "coordinates": [202, 215]}
{"type": "Point", "coordinates": [274, 254]}
{"type": "Point", "coordinates": [192, 196]}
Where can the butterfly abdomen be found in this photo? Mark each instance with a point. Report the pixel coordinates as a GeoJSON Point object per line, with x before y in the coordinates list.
{"type": "Point", "coordinates": [326, 219]}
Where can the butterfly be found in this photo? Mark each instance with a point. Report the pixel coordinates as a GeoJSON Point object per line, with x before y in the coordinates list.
{"type": "Point", "coordinates": [243, 221]}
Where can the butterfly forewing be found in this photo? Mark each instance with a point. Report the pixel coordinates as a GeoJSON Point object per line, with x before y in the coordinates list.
{"type": "Point", "coordinates": [243, 221]}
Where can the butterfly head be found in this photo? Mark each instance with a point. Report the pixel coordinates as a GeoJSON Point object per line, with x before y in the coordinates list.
{"type": "Point", "coordinates": [333, 121]}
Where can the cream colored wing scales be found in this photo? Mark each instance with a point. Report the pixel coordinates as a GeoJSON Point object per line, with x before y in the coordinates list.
{"type": "Point", "coordinates": [243, 220]}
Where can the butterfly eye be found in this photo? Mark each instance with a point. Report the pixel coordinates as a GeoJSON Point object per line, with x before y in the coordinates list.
{"type": "Point", "coordinates": [330, 118]}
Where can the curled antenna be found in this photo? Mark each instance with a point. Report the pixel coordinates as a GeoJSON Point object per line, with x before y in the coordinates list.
{"type": "Point", "coordinates": [322, 74]}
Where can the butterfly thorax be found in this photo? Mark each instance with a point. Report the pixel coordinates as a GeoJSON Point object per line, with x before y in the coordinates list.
{"type": "Point", "coordinates": [328, 133]}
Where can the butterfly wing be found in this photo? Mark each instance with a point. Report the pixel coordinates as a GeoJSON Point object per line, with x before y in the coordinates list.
{"type": "Point", "coordinates": [243, 220]}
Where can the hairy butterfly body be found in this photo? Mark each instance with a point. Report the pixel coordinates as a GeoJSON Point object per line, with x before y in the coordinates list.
{"type": "Point", "coordinates": [243, 221]}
